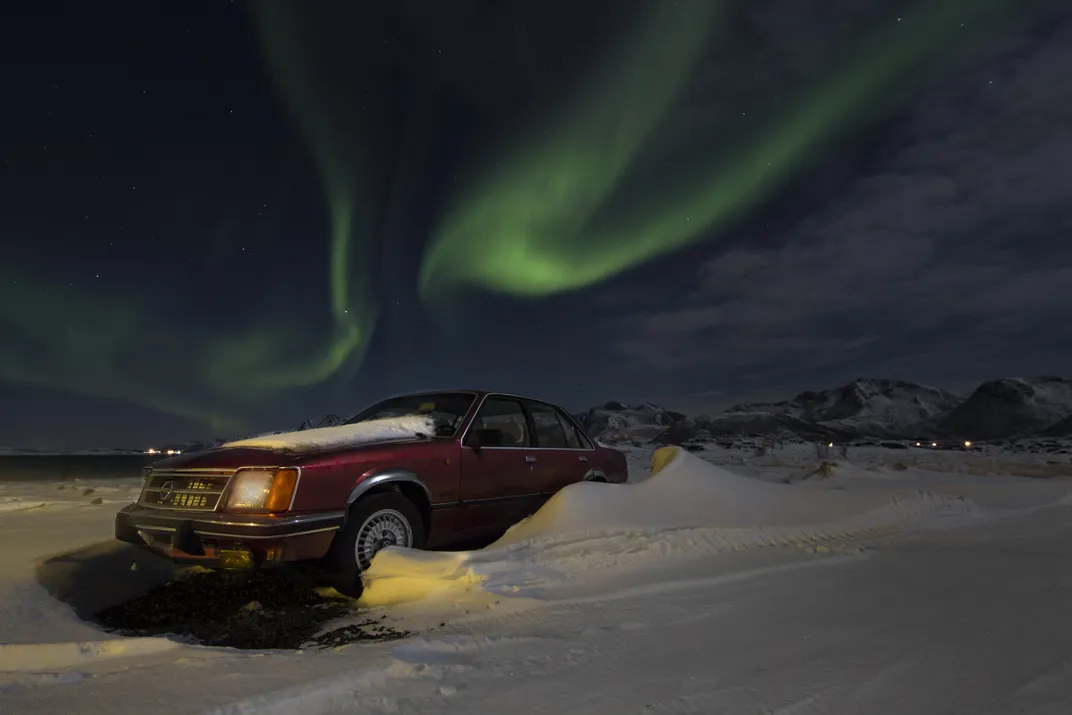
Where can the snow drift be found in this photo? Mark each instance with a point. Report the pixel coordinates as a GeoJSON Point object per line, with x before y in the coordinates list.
{"type": "Point", "coordinates": [686, 492]}
{"type": "Point", "coordinates": [368, 432]}
{"type": "Point", "coordinates": [687, 508]}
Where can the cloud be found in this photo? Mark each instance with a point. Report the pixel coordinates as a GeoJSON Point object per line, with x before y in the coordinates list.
{"type": "Point", "coordinates": [954, 240]}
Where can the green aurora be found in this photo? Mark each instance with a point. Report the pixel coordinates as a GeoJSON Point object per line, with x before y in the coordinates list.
{"type": "Point", "coordinates": [528, 227]}
{"type": "Point", "coordinates": [541, 219]}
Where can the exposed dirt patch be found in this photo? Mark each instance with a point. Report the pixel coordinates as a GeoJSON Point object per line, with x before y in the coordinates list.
{"type": "Point", "coordinates": [367, 630]}
{"type": "Point", "coordinates": [274, 608]}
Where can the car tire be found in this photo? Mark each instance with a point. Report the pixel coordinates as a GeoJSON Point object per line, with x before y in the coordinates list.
{"type": "Point", "coordinates": [373, 523]}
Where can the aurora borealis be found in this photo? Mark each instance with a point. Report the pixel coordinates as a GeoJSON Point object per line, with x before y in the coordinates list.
{"type": "Point", "coordinates": [532, 227]}
{"type": "Point", "coordinates": [229, 219]}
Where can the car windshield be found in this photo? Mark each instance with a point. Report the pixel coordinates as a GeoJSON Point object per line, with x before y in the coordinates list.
{"type": "Point", "coordinates": [447, 409]}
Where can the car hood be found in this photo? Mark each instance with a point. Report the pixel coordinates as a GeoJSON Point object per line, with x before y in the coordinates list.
{"type": "Point", "coordinates": [225, 458]}
{"type": "Point", "coordinates": [237, 457]}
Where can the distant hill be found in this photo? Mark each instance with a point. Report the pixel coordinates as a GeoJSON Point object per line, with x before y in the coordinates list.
{"type": "Point", "coordinates": [1061, 429]}
{"type": "Point", "coordinates": [1011, 407]}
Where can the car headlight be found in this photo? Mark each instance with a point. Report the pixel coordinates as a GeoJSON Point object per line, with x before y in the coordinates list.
{"type": "Point", "coordinates": [263, 489]}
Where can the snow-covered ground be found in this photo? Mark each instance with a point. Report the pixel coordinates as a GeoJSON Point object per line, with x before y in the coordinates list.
{"type": "Point", "coordinates": [797, 461]}
{"type": "Point", "coordinates": [744, 584]}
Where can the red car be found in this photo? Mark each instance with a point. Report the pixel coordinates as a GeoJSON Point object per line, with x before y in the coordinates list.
{"type": "Point", "coordinates": [419, 470]}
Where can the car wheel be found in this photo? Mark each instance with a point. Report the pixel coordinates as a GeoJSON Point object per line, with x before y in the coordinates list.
{"type": "Point", "coordinates": [373, 524]}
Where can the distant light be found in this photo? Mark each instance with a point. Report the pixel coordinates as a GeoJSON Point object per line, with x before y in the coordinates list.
{"type": "Point", "coordinates": [178, 451]}
{"type": "Point", "coordinates": [150, 451]}
{"type": "Point", "coordinates": [830, 445]}
{"type": "Point", "coordinates": [934, 444]}
{"type": "Point", "coordinates": [171, 451]}
{"type": "Point", "coordinates": [917, 444]}
{"type": "Point", "coordinates": [967, 444]}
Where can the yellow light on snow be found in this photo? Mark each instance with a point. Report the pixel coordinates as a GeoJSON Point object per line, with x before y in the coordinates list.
{"type": "Point", "coordinates": [662, 457]}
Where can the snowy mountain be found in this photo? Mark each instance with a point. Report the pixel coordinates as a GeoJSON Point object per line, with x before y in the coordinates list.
{"type": "Point", "coordinates": [618, 422]}
{"type": "Point", "coordinates": [864, 407]}
{"type": "Point", "coordinates": [1010, 407]}
{"type": "Point", "coordinates": [747, 424]}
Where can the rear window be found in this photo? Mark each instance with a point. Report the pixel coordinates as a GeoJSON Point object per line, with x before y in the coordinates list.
{"type": "Point", "coordinates": [548, 425]}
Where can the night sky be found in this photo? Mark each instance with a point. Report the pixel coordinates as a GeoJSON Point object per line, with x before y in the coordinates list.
{"type": "Point", "coordinates": [221, 218]}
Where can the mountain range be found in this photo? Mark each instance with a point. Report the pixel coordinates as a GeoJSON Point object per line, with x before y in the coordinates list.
{"type": "Point", "coordinates": [864, 408]}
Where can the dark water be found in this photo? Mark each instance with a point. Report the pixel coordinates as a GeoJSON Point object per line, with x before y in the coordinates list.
{"type": "Point", "coordinates": [65, 467]}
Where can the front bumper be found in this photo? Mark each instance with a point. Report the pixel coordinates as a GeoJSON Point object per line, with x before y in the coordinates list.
{"type": "Point", "coordinates": [228, 539]}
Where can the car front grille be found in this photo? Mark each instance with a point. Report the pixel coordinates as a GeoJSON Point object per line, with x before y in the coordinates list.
{"type": "Point", "coordinates": [199, 490]}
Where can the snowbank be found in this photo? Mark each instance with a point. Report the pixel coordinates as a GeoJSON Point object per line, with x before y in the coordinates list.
{"type": "Point", "coordinates": [687, 508]}
{"type": "Point", "coordinates": [344, 435]}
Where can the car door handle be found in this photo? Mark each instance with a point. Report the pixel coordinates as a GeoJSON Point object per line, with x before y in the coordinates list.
{"type": "Point", "coordinates": [530, 459]}
{"type": "Point", "coordinates": [583, 458]}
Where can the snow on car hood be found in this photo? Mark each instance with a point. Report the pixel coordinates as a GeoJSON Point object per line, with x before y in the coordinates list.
{"type": "Point", "coordinates": [368, 432]}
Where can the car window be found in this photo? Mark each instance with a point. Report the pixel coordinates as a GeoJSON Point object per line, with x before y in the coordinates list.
{"type": "Point", "coordinates": [573, 440]}
{"type": "Point", "coordinates": [505, 417]}
{"type": "Point", "coordinates": [549, 431]}
{"type": "Point", "coordinates": [447, 410]}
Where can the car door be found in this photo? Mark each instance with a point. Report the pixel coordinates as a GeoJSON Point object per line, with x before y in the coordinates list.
{"type": "Point", "coordinates": [500, 483]}
{"type": "Point", "coordinates": [562, 455]}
